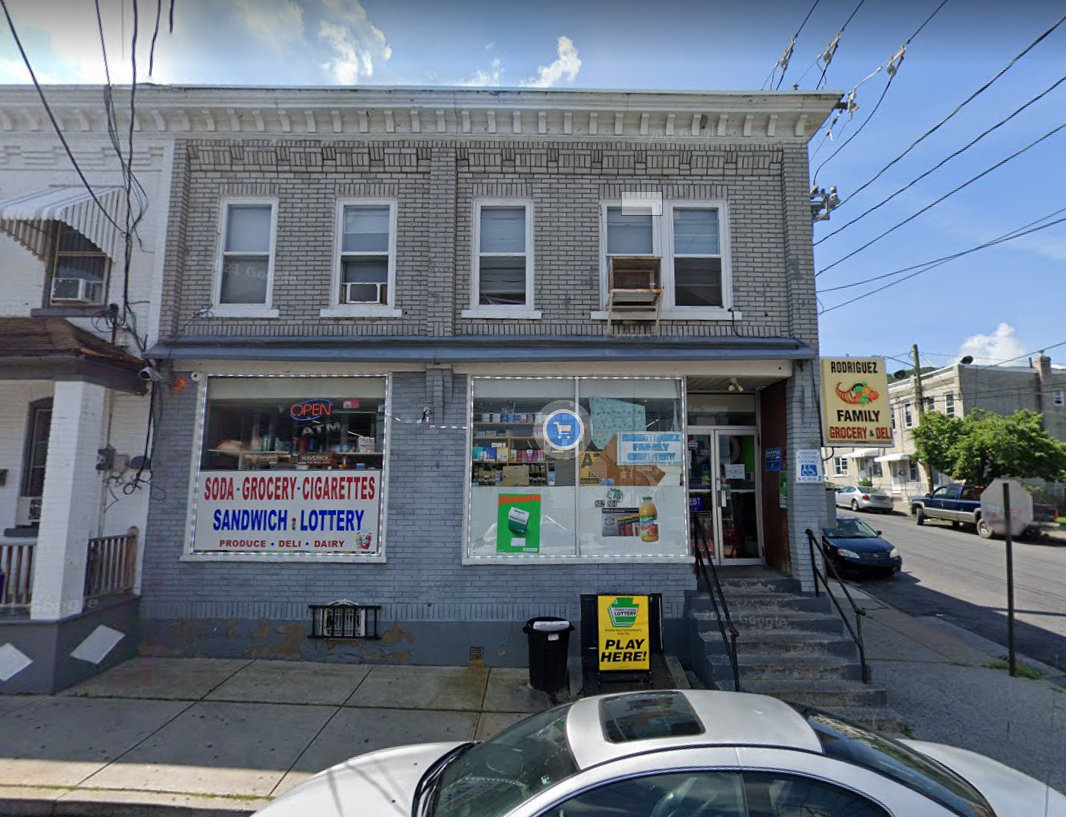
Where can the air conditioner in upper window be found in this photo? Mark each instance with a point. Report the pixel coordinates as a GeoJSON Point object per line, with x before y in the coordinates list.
{"type": "Point", "coordinates": [28, 511]}
{"type": "Point", "coordinates": [356, 292]}
{"type": "Point", "coordinates": [77, 290]}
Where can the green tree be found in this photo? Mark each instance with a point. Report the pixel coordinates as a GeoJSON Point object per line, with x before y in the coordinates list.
{"type": "Point", "coordinates": [982, 446]}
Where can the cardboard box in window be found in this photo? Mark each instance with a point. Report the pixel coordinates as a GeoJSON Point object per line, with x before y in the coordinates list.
{"type": "Point", "coordinates": [515, 476]}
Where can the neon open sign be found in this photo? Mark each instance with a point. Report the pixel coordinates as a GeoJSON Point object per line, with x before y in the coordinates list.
{"type": "Point", "coordinates": [311, 409]}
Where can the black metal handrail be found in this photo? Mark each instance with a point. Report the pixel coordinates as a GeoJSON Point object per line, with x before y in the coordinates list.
{"type": "Point", "coordinates": [725, 622]}
{"type": "Point", "coordinates": [860, 612]}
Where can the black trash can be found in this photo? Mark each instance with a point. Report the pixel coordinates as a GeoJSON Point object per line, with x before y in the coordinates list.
{"type": "Point", "coordinates": [549, 643]}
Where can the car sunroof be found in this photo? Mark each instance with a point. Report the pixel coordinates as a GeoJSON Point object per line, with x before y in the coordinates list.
{"type": "Point", "coordinates": [648, 715]}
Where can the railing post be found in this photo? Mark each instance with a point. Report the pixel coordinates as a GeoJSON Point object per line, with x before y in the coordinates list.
{"type": "Point", "coordinates": [814, 570]}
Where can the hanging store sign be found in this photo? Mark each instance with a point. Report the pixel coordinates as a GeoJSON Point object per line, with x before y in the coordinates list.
{"type": "Point", "coordinates": [624, 633]}
{"type": "Point", "coordinates": [855, 408]}
{"type": "Point", "coordinates": [271, 512]}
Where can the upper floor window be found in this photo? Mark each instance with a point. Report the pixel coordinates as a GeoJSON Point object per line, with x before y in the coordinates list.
{"type": "Point", "coordinates": [1058, 397]}
{"type": "Point", "coordinates": [78, 271]}
{"type": "Point", "coordinates": [691, 241]}
{"type": "Point", "coordinates": [245, 282]}
{"type": "Point", "coordinates": [949, 404]}
{"type": "Point", "coordinates": [502, 264]}
{"type": "Point", "coordinates": [364, 281]}
{"type": "Point", "coordinates": [840, 466]}
{"type": "Point", "coordinates": [929, 403]}
{"type": "Point", "coordinates": [908, 418]}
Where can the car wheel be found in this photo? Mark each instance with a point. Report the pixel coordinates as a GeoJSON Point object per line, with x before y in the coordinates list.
{"type": "Point", "coordinates": [984, 530]}
{"type": "Point", "coordinates": [855, 505]}
{"type": "Point", "coordinates": [919, 515]}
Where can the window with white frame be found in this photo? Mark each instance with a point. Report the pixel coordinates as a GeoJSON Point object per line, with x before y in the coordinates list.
{"type": "Point", "coordinates": [1058, 397]}
{"type": "Point", "coordinates": [875, 470]}
{"type": "Point", "coordinates": [912, 472]}
{"type": "Point", "coordinates": [892, 414]}
{"type": "Point", "coordinates": [695, 273]}
{"type": "Point", "coordinates": [247, 264]}
{"type": "Point", "coordinates": [949, 404]}
{"type": "Point", "coordinates": [929, 403]}
{"type": "Point", "coordinates": [503, 256]}
{"type": "Point", "coordinates": [908, 418]}
{"type": "Point", "coordinates": [840, 466]}
{"type": "Point", "coordinates": [366, 262]}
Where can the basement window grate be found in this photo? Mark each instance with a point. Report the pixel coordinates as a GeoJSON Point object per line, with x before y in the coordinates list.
{"type": "Point", "coordinates": [344, 620]}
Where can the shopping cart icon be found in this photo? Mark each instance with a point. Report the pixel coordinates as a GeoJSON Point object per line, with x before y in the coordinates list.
{"type": "Point", "coordinates": [563, 430]}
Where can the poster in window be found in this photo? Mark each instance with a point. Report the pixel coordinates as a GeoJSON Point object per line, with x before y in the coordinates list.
{"type": "Point", "coordinates": [518, 523]}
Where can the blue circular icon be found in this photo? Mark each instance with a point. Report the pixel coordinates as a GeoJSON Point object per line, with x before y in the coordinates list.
{"type": "Point", "coordinates": [563, 430]}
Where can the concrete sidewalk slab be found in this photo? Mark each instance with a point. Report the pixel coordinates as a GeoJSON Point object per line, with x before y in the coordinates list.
{"type": "Point", "coordinates": [62, 741]}
{"type": "Point", "coordinates": [164, 678]}
{"type": "Point", "coordinates": [292, 682]}
{"type": "Point", "coordinates": [422, 688]}
{"type": "Point", "coordinates": [219, 748]}
{"type": "Point", "coordinates": [492, 723]}
{"type": "Point", "coordinates": [930, 638]}
{"type": "Point", "coordinates": [509, 691]}
{"type": "Point", "coordinates": [12, 703]}
{"type": "Point", "coordinates": [356, 731]}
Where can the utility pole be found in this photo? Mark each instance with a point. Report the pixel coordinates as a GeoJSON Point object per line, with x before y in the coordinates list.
{"type": "Point", "coordinates": [920, 399]}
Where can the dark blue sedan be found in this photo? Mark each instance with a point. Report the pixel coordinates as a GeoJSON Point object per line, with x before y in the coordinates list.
{"type": "Point", "coordinates": [856, 548]}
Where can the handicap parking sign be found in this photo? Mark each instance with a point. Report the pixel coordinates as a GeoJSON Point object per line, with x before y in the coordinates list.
{"type": "Point", "coordinates": [809, 466]}
{"type": "Point", "coordinates": [563, 429]}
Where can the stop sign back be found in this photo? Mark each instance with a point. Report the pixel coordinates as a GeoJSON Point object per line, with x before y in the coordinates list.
{"type": "Point", "coordinates": [1019, 512]}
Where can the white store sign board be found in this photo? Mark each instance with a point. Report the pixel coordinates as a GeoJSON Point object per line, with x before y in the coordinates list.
{"type": "Point", "coordinates": [287, 511]}
{"type": "Point", "coordinates": [1020, 512]}
{"type": "Point", "coordinates": [650, 448]}
{"type": "Point", "coordinates": [809, 466]}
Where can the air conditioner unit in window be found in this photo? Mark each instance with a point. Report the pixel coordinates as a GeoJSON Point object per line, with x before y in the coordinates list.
{"type": "Point", "coordinates": [28, 511]}
{"type": "Point", "coordinates": [356, 292]}
{"type": "Point", "coordinates": [77, 290]}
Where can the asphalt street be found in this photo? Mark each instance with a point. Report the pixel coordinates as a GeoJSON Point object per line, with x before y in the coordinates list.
{"type": "Point", "coordinates": [955, 575]}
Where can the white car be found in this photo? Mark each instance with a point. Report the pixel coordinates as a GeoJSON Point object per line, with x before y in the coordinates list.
{"type": "Point", "coordinates": [863, 499]}
{"type": "Point", "coordinates": [693, 753]}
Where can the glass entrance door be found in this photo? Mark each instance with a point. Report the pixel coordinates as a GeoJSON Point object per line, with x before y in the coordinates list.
{"type": "Point", "coordinates": [724, 493]}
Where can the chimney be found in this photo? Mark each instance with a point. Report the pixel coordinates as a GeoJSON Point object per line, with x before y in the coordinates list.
{"type": "Point", "coordinates": [1043, 368]}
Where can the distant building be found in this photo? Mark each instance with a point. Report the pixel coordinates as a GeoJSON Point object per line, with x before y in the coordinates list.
{"type": "Point", "coordinates": [954, 390]}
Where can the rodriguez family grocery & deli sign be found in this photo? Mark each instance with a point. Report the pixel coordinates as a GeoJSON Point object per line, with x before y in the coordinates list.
{"type": "Point", "coordinates": [855, 407]}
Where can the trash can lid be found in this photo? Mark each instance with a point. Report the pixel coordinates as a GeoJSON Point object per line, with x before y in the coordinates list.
{"type": "Point", "coordinates": [551, 626]}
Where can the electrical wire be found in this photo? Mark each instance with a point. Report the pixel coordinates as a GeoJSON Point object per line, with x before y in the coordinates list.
{"type": "Point", "coordinates": [786, 58]}
{"type": "Point", "coordinates": [930, 266]}
{"type": "Point", "coordinates": [1030, 354]}
{"type": "Point", "coordinates": [946, 196]}
{"type": "Point", "coordinates": [958, 108]}
{"type": "Point", "coordinates": [51, 117]}
{"type": "Point", "coordinates": [832, 50]}
{"type": "Point", "coordinates": [155, 34]}
{"type": "Point", "coordinates": [942, 162]}
{"type": "Point", "coordinates": [1009, 236]}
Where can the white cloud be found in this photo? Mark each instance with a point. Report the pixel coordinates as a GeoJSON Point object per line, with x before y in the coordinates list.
{"type": "Point", "coordinates": [356, 42]}
{"type": "Point", "coordinates": [489, 46]}
{"type": "Point", "coordinates": [1000, 345]}
{"type": "Point", "coordinates": [568, 64]}
{"type": "Point", "coordinates": [278, 23]}
{"type": "Point", "coordinates": [483, 78]}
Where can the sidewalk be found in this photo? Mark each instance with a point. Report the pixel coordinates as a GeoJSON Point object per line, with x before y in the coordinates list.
{"type": "Point", "coordinates": [943, 681]}
{"type": "Point", "coordinates": [223, 737]}
{"type": "Point", "coordinates": [218, 738]}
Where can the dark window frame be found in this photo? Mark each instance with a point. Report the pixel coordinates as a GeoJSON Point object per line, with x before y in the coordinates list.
{"type": "Point", "coordinates": [54, 254]}
{"type": "Point", "coordinates": [30, 443]}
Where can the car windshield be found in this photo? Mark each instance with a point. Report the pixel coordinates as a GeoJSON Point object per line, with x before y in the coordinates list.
{"type": "Point", "coordinates": [888, 757]}
{"type": "Point", "coordinates": [851, 529]}
{"type": "Point", "coordinates": [495, 776]}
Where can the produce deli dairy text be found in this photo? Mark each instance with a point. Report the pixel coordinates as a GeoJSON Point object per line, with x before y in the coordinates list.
{"type": "Point", "coordinates": [287, 512]}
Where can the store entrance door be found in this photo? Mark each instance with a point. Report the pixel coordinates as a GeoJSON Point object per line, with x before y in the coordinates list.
{"type": "Point", "coordinates": [723, 490]}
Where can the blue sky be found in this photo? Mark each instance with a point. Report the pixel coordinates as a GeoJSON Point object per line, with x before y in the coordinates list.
{"type": "Point", "coordinates": [994, 304]}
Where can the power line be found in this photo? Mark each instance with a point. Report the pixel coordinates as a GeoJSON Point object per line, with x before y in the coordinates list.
{"type": "Point", "coordinates": [932, 266]}
{"type": "Point", "coordinates": [1029, 354]}
{"type": "Point", "coordinates": [52, 118]}
{"type": "Point", "coordinates": [947, 195]}
{"type": "Point", "coordinates": [832, 50]}
{"type": "Point", "coordinates": [787, 56]}
{"type": "Point", "coordinates": [959, 107]}
{"type": "Point", "coordinates": [1009, 236]}
{"type": "Point", "coordinates": [942, 162]}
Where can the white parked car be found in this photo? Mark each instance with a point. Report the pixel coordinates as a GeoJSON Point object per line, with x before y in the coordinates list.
{"type": "Point", "coordinates": [863, 499]}
{"type": "Point", "coordinates": [693, 753]}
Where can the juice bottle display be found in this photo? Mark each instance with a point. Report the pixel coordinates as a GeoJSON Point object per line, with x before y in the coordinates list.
{"type": "Point", "coordinates": [649, 521]}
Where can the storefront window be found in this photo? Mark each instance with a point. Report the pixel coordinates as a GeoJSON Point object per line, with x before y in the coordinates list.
{"type": "Point", "coordinates": [721, 409]}
{"type": "Point", "coordinates": [291, 464]}
{"type": "Point", "coordinates": [619, 494]}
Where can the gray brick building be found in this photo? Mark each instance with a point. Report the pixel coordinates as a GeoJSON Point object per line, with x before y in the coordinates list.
{"type": "Point", "coordinates": [381, 298]}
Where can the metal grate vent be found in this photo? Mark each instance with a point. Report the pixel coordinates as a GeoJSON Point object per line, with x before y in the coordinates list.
{"type": "Point", "coordinates": [344, 620]}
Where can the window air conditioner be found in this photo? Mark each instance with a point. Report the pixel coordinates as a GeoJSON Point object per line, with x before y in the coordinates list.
{"type": "Point", "coordinates": [28, 511]}
{"type": "Point", "coordinates": [77, 290]}
{"type": "Point", "coordinates": [356, 292]}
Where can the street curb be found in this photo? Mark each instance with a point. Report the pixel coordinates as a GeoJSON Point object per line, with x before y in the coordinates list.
{"type": "Point", "coordinates": [25, 801]}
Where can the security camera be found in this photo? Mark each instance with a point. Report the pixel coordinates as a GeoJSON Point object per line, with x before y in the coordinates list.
{"type": "Point", "coordinates": [196, 376]}
{"type": "Point", "coordinates": [151, 374]}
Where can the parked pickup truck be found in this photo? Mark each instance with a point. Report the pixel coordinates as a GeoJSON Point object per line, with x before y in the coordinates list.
{"type": "Point", "coordinates": [962, 503]}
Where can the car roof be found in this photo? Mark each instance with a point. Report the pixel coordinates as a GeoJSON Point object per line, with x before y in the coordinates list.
{"type": "Point", "coordinates": [727, 719]}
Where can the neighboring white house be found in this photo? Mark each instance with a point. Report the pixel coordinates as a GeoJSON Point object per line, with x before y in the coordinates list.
{"type": "Point", "coordinates": [954, 390]}
{"type": "Point", "coordinates": [73, 408]}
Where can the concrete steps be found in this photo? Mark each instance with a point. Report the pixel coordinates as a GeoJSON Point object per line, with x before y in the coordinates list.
{"type": "Point", "coordinates": [790, 646]}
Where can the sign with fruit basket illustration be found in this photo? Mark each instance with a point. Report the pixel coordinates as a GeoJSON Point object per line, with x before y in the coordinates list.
{"type": "Point", "coordinates": [855, 407]}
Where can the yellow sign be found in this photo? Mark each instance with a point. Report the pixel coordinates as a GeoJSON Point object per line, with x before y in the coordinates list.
{"type": "Point", "coordinates": [624, 633]}
{"type": "Point", "coordinates": [855, 409]}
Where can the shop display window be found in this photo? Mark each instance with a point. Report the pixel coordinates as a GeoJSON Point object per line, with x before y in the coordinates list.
{"type": "Point", "coordinates": [302, 423]}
